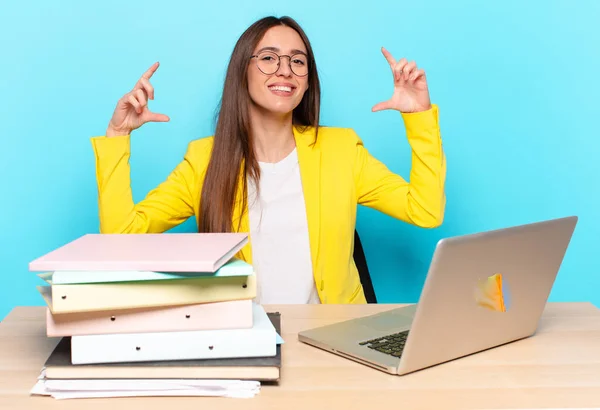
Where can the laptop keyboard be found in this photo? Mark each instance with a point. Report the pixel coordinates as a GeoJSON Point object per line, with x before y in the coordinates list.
{"type": "Point", "coordinates": [391, 344]}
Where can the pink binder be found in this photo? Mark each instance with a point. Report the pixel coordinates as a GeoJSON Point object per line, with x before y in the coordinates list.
{"type": "Point", "coordinates": [236, 314]}
{"type": "Point", "coordinates": [164, 252]}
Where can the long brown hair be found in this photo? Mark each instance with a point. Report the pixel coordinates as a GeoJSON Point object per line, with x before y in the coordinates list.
{"type": "Point", "coordinates": [232, 140]}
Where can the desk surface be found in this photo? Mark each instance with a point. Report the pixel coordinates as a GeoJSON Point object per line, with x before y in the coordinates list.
{"type": "Point", "coordinates": [557, 368]}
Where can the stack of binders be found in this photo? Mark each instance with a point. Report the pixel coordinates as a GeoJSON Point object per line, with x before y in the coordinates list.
{"type": "Point", "coordinates": [156, 306]}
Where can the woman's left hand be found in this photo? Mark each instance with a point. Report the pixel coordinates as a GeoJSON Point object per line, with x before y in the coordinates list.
{"type": "Point", "coordinates": [410, 87]}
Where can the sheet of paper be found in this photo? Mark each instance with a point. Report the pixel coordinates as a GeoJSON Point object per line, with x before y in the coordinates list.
{"type": "Point", "coordinates": [73, 389]}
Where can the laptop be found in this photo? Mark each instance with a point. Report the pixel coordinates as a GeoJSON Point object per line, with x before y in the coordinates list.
{"type": "Point", "coordinates": [482, 290]}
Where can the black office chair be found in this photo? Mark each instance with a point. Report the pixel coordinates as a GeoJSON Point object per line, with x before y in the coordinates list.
{"type": "Point", "coordinates": [363, 270]}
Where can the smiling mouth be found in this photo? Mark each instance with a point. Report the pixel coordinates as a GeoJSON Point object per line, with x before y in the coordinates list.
{"type": "Point", "coordinates": [282, 90]}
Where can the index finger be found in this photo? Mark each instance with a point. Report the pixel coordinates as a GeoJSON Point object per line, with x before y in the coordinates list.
{"type": "Point", "coordinates": [391, 60]}
{"type": "Point", "coordinates": [150, 71]}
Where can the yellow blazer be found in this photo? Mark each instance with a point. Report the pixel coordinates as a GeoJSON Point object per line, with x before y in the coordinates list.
{"type": "Point", "coordinates": [337, 174]}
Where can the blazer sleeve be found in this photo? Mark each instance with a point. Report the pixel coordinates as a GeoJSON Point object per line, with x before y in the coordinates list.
{"type": "Point", "coordinates": [420, 201]}
{"type": "Point", "coordinates": [164, 207]}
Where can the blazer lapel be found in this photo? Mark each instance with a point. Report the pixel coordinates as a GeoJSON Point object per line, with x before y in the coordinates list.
{"type": "Point", "coordinates": [241, 219]}
{"type": "Point", "coordinates": [309, 158]}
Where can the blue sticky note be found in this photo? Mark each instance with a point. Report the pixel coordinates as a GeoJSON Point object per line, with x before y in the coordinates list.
{"type": "Point", "coordinates": [279, 340]}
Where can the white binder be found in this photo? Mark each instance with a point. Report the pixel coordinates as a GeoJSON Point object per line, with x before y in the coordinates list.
{"type": "Point", "coordinates": [257, 341]}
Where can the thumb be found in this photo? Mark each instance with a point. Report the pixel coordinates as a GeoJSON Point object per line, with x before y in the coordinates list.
{"type": "Point", "coordinates": [385, 105]}
{"type": "Point", "coordinates": [155, 117]}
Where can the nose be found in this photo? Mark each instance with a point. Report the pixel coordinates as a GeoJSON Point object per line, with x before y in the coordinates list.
{"type": "Point", "coordinates": [284, 67]}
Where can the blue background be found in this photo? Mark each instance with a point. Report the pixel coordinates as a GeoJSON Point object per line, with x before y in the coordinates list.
{"type": "Point", "coordinates": [516, 82]}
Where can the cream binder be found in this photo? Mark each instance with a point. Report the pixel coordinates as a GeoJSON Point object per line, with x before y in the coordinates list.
{"type": "Point", "coordinates": [130, 295]}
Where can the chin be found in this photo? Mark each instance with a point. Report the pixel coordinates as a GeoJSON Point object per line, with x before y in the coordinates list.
{"type": "Point", "coordinates": [281, 108]}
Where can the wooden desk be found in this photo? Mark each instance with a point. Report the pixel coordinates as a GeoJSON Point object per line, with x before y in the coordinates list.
{"type": "Point", "coordinates": [559, 367]}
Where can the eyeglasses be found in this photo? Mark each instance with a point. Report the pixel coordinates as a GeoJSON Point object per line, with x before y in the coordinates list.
{"type": "Point", "coordinates": [268, 63]}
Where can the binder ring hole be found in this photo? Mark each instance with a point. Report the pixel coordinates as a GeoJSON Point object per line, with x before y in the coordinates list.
{"type": "Point", "coordinates": [210, 347]}
{"type": "Point", "coordinates": [137, 348]}
{"type": "Point", "coordinates": [112, 318]}
{"type": "Point", "coordinates": [64, 296]}
{"type": "Point", "coordinates": [244, 286]}
{"type": "Point", "coordinates": [187, 316]}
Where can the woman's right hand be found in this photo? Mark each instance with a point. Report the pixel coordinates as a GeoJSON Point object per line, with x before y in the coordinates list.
{"type": "Point", "coordinates": [132, 109]}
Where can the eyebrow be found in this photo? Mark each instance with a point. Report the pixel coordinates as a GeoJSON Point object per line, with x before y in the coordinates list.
{"type": "Point", "coordinates": [275, 49]}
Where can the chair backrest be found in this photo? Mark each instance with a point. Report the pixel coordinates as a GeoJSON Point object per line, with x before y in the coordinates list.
{"type": "Point", "coordinates": [363, 270]}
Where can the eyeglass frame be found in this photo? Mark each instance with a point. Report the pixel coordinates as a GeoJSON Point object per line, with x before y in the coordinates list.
{"type": "Point", "coordinates": [279, 62]}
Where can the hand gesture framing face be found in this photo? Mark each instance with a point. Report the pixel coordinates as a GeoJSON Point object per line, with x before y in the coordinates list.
{"type": "Point", "coordinates": [410, 87]}
{"type": "Point", "coordinates": [132, 109]}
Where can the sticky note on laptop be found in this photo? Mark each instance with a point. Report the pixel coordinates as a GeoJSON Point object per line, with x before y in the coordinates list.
{"type": "Point", "coordinates": [492, 293]}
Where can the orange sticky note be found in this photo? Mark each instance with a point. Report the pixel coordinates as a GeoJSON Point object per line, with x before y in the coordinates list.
{"type": "Point", "coordinates": [490, 293]}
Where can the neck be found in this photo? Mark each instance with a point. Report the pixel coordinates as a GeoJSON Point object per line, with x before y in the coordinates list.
{"type": "Point", "coordinates": [272, 135]}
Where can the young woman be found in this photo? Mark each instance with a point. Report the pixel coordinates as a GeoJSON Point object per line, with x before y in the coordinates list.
{"type": "Point", "coordinates": [272, 171]}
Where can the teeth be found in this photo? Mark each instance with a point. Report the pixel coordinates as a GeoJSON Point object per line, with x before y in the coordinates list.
{"type": "Point", "coordinates": [281, 88]}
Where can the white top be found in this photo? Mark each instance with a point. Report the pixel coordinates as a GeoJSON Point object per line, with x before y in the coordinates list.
{"type": "Point", "coordinates": [279, 235]}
